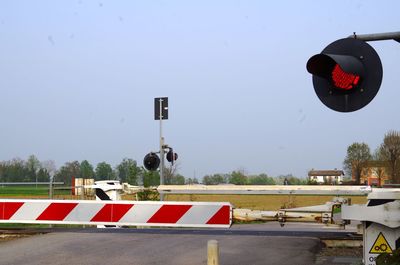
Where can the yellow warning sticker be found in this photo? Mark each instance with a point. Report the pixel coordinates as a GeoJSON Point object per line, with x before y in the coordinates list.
{"type": "Point", "coordinates": [381, 245]}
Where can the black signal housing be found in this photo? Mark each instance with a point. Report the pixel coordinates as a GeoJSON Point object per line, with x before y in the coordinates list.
{"type": "Point", "coordinates": [151, 161]}
{"type": "Point", "coordinates": [171, 156]}
{"type": "Point", "coordinates": [347, 74]}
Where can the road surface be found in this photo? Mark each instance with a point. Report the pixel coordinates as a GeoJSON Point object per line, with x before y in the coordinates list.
{"type": "Point", "coordinates": [241, 245]}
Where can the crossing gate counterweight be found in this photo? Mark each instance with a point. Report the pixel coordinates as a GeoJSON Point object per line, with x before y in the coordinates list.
{"type": "Point", "coordinates": [127, 213]}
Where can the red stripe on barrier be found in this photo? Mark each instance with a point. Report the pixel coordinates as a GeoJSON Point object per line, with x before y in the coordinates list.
{"type": "Point", "coordinates": [8, 209]}
{"type": "Point", "coordinates": [222, 217]}
{"type": "Point", "coordinates": [56, 211]}
{"type": "Point", "coordinates": [169, 214]}
{"type": "Point", "coordinates": [111, 212]}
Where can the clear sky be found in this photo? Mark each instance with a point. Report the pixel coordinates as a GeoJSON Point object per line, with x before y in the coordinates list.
{"type": "Point", "coordinates": [78, 80]}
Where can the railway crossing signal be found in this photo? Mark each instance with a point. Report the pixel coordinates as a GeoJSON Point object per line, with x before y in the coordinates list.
{"type": "Point", "coordinates": [347, 74]}
{"type": "Point", "coordinates": [171, 156]}
{"type": "Point", "coordinates": [151, 161]}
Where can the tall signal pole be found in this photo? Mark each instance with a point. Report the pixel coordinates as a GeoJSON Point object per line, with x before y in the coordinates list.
{"type": "Point", "coordinates": [161, 113]}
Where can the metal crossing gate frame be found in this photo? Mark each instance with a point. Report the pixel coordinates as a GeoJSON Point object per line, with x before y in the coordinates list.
{"type": "Point", "coordinates": [381, 223]}
{"type": "Point", "coordinates": [122, 213]}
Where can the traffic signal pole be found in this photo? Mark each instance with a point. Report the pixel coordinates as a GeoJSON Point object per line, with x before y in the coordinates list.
{"type": "Point", "coordinates": [161, 151]}
{"type": "Point", "coordinates": [377, 36]}
{"type": "Point", "coordinates": [151, 161]}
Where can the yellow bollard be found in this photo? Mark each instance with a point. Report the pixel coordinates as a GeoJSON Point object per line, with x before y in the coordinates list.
{"type": "Point", "coordinates": [212, 252]}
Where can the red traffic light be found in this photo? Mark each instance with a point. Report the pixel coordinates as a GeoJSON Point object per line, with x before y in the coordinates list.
{"type": "Point", "coordinates": [344, 80]}
{"type": "Point", "coordinates": [347, 74]}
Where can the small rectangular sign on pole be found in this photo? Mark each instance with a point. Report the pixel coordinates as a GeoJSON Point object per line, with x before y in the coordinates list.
{"type": "Point", "coordinates": [161, 108]}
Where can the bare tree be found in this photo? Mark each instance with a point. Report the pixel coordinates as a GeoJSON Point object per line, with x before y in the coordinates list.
{"type": "Point", "coordinates": [170, 172]}
{"type": "Point", "coordinates": [357, 155]}
{"type": "Point", "coordinates": [391, 151]}
{"type": "Point", "coordinates": [50, 167]}
{"type": "Point", "coordinates": [381, 164]}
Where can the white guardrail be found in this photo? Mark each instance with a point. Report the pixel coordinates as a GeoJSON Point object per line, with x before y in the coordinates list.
{"type": "Point", "coordinates": [265, 189]}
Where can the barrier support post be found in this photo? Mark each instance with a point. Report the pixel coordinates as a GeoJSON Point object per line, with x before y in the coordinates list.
{"type": "Point", "coordinates": [212, 252]}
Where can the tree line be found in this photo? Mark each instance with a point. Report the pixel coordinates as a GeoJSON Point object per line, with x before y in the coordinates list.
{"type": "Point", "coordinates": [240, 178]}
{"type": "Point", "coordinates": [358, 154]}
{"type": "Point", "coordinates": [387, 154]}
{"type": "Point", "coordinates": [18, 170]}
{"type": "Point", "coordinates": [33, 170]}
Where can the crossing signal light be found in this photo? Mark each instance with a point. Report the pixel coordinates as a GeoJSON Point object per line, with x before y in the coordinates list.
{"type": "Point", "coordinates": [171, 156]}
{"type": "Point", "coordinates": [347, 74]}
{"type": "Point", "coordinates": [151, 161]}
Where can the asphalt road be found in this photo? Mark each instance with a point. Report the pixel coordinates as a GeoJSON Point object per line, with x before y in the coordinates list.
{"type": "Point", "coordinates": [242, 245]}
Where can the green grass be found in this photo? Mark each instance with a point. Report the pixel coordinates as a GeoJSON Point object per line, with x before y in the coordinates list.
{"type": "Point", "coordinates": [29, 190]}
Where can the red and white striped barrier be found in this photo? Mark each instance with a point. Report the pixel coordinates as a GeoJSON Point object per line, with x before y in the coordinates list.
{"type": "Point", "coordinates": [138, 213]}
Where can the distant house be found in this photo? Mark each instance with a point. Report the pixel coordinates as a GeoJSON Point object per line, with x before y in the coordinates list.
{"type": "Point", "coordinates": [373, 173]}
{"type": "Point", "coordinates": [326, 176]}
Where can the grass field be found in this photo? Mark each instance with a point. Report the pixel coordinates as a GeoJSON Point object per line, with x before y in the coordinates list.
{"type": "Point", "coordinates": [25, 190]}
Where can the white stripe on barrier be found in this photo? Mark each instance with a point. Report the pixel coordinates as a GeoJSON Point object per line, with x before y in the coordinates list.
{"type": "Point", "coordinates": [30, 211]}
{"type": "Point", "coordinates": [140, 213]}
{"type": "Point", "coordinates": [83, 212]}
{"type": "Point", "coordinates": [199, 214]}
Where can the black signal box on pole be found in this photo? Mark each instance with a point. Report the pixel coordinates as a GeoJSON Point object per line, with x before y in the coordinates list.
{"type": "Point", "coordinates": [161, 108]}
{"type": "Point", "coordinates": [347, 74]}
{"type": "Point", "coordinates": [151, 161]}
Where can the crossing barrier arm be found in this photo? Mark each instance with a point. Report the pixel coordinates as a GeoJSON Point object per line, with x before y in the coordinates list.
{"type": "Point", "coordinates": [126, 213]}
